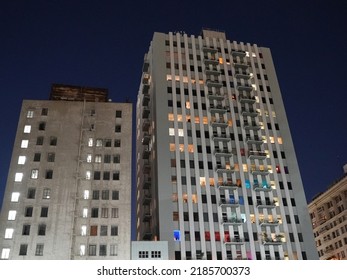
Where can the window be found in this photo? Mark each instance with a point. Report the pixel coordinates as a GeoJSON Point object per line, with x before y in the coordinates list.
{"type": "Point", "coordinates": [85, 212]}
{"type": "Point", "coordinates": [26, 230]}
{"type": "Point", "coordinates": [102, 250]}
{"type": "Point", "coordinates": [103, 230]}
{"type": "Point", "coordinates": [83, 230]}
{"type": "Point", "coordinates": [93, 230]}
{"type": "Point", "coordinates": [5, 253]}
{"type": "Point", "coordinates": [12, 215]}
{"type": "Point", "coordinates": [18, 177]}
{"type": "Point", "coordinates": [21, 160]}
{"type": "Point", "coordinates": [49, 174]}
{"type": "Point", "coordinates": [113, 250]}
{"type": "Point", "coordinates": [44, 212]}
{"type": "Point", "coordinates": [99, 142]}
{"type": "Point", "coordinates": [90, 142]}
{"type": "Point", "coordinates": [46, 193]}
{"type": "Point", "coordinates": [96, 175]}
{"type": "Point", "coordinates": [117, 142]}
{"type": "Point", "coordinates": [114, 213]}
{"type": "Point", "coordinates": [118, 114]}
{"type": "Point", "coordinates": [24, 144]}
{"type": "Point", "coordinates": [9, 233]}
{"type": "Point", "coordinates": [143, 254]}
{"type": "Point", "coordinates": [53, 141]}
{"type": "Point", "coordinates": [108, 143]}
{"type": "Point", "coordinates": [155, 254]}
{"type": "Point", "coordinates": [115, 195]}
{"type": "Point", "coordinates": [86, 194]}
{"type": "Point", "coordinates": [44, 112]}
{"type": "Point", "coordinates": [34, 174]}
{"type": "Point", "coordinates": [92, 250]}
{"type": "Point", "coordinates": [39, 250]}
{"type": "Point", "coordinates": [39, 141]}
{"type": "Point", "coordinates": [41, 230]}
{"type": "Point", "coordinates": [95, 194]}
{"type": "Point", "coordinates": [115, 175]}
{"type": "Point", "coordinates": [116, 159]}
{"type": "Point", "coordinates": [114, 230]}
{"type": "Point", "coordinates": [15, 197]}
{"type": "Point", "coordinates": [95, 213]}
{"type": "Point", "coordinates": [28, 211]}
{"type": "Point", "coordinates": [51, 157]}
{"type": "Point", "coordinates": [23, 249]}
{"type": "Point", "coordinates": [105, 194]}
{"type": "Point", "coordinates": [42, 126]}
{"type": "Point", "coordinates": [107, 158]}
{"type": "Point", "coordinates": [104, 212]}
{"type": "Point", "coordinates": [31, 193]}
{"type": "Point", "coordinates": [37, 157]}
{"type": "Point", "coordinates": [30, 114]}
{"type": "Point", "coordinates": [118, 128]}
{"type": "Point", "coordinates": [82, 250]}
{"type": "Point", "coordinates": [27, 129]}
{"type": "Point", "coordinates": [106, 175]}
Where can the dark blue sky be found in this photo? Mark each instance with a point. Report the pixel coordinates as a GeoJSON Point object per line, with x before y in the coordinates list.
{"type": "Point", "coordinates": [102, 44]}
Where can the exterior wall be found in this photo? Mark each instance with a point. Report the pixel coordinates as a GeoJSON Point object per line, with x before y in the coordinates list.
{"type": "Point", "coordinates": [224, 179]}
{"type": "Point", "coordinates": [73, 124]}
{"type": "Point", "coordinates": [329, 221]}
{"type": "Point", "coordinates": [149, 250]}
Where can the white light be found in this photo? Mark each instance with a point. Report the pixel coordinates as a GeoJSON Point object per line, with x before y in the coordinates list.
{"type": "Point", "coordinates": [15, 197]}
{"type": "Point", "coordinates": [18, 177]}
{"type": "Point", "coordinates": [9, 233]}
{"type": "Point", "coordinates": [24, 144]}
{"type": "Point", "coordinates": [27, 129]}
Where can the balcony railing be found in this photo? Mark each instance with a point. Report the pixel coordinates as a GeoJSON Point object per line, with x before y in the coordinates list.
{"type": "Point", "coordinates": [267, 204]}
{"type": "Point", "coordinates": [257, 154]}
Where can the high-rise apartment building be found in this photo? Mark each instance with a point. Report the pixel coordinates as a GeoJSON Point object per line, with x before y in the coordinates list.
{"type": "Point", "coordinates": [68, 193]}
{"type": "Point", "coordinates": [328, 212]}
{"type": "Point", "coordinates": [217, 174]}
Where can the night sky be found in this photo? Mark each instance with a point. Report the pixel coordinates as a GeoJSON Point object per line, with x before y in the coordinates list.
{"type": "Point", "coordinates": [102, 44]}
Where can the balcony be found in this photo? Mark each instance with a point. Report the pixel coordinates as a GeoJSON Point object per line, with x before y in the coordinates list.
{"type": "Point", "coordinates": [224, 169]}
{"type": "Point", "coordinates": [222, 152]}
{"type": "Point", "coordinates": [145, 89]}
{"type": "Point", "coordinates": [260, 172]}
{"type": "Point", "coordinates": [260, 188]}
{"type": "Point", "coordinates": [240, 65]}
{"type": "Point", "coordinates": [247, 88]}
{"type": "Point", "coordinates": [147, 216]}
{"type": "Point", "coordinates": [146, 139]}
{"type": "Point", "coordinates": [234, 241]}
{"type": "Point", "coordinates": [242, 75]}
{"type": "Point", "coordinates": [249, 112]}
{"type": "Point", "coordinates": [146, 168]}
{"type": "Point", "coordinates": [232, 221]}
{"type": "Point", "coordinates": [147, 236]}
{"type": "Point", "coordinates": [210, 61]}
{"type": "Point", "coordinates": [277, 240]}
{"type": "Point", "coordinates": [215, 96]}
{"type": "Point", "coordinates": [145, 66]}
{"type": "Point", "coordinates": [228, 203]}
{"type": "Point", "coordinates": [145, 125]}
{"type": "Point", "coordinates": [145, 112]}
{"type": "Point", "coordinates": [267, 204]}
{"type": "Point", "coordinates": [218, 109]}
{"type": "Point", "coordinates": [264, 223]}
{"type": "Point", "coordinates": [220, 123]}
{"type": "Point", "coordinates": [212, 72]}
{"type": "Point", "coordinates": [213, 83]}
{"type": "Point", "coordinates": [254, 140]}
{"type": "Point", "coordinates": [257, 155]}
{"type": "Point", "coordinates": [228, 185]}
{"type": "Point", "coordinates": [146, 153]}
{"type": "Point", "coordinates": [207, 49]}
{"type": "Point", "coordinates": [247, 99]}
{"type": "Point", "coordinates": [145, 100]}
{"type": "Point", "coordinates": [238, 53]}
{"type": "Point", "coordinates": [147, 183]}
{"type": "Point", "coordinates": [146, 200]}
{"type": "Point", "coordinates": [222, 137]}
{"type": "Point", "coordinates": [251, 126]}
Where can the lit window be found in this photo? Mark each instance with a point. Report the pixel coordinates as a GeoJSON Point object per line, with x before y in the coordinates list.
{"type": "Point", "coordinates": [24, 144]}
{"type": "Point", "coordinates": [99, 142]}
{"type": "Point", "coordinates": [82, 250]}
{"type": "Point", "coordinates": [273, 114]}
{"type": "Point", "coordinates": [27, 129]}
{"type": "Point", "coordinates": [245, 167]}
{"type": "Point", "coordinates": [205, 120]}
{"type": "Point", "coordinates": [12, 215]}
{"type": "Point", "coordinates": [9, 233]}
{"type": "Point", "coordinates": [15, 197]}
{"type": "Point", "coordinates": [88, 175]}
{"type": "Point", "coordinates": [188, 105]}
{"type": "Point", "coordinates": [84, 230]}
{"type": "Point", "coordinates": [89, 158]}
{"type": "Point", "coordinates": [34, 174]}
{"type": "Point", "coordinates": [90, 142]}
{"type": "Point", "coordinates": [5, 253]}
{"type": "Point", "coordinates": [21, 159]}
{"type": "Point", "coordinates": [30, 114]}
{"type": "Point", "coordinates": [272, 139]}
{"type": "Point", "coordinates": [46, 193]}
{"type": "Point", "coordinates": [98, 158]}
{"type": "Point", "coordinates": [85, 213]}
{"type": "Point", "coordinates": [180, 132]}
{"type": "Point", "coordinates": [18, 177]}
{"type": "Point", "coordinates": [86, 194]}
{"type": "Point", "coordinates": [220, 60]}
{"type": "Point", "coordinates": [171, 117]}
{"type": "Point", "coordinates": [177, 235]}
{"type": "Point", "coordinates": [202, 182]}
{"type": "Point", "coordinates": [171, 131]}
{"type": "Point", "coordinates": [191, 148]}
{"type": "Point", "coordinates": [194, 198]}
{"type": "Point", "coordinates": [179, 118]}
{"type": "Point", "coordinates": [172, 147]}
{"type": "Point", "coordinates": [279, 139]}
{"type": "Point", "coordinates": [254, 86]}
{"type": "Point", "coordinates": [211, 182]}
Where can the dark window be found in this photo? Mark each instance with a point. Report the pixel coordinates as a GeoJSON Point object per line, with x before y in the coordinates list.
{"type": "Point", "coordinates": [106, 175]}
{"type": "Point", "coordinates": [115, 176]}
{"type": "Point", "coordinates": [117, 142]}
{"type": "Point", "coordinates": [284, 200]}
{"type": "Point", "coordinates": [44, 112]}
{"type": "Point", "coordinates": [26, 230]}
{"type": "Point", "coordinates": [97, 175]}
{"type": "Point", "coordinates": [118, 114]}
{"type": "Point", "coordinates": [118, 128]}
{"type": "Point", "coordinates": [103, 230]}
{"type": "Point", "coordinates": [23, 249]}
{"type": "Point", "coordinates": [93, 230]}
{"type": "Point", "coordinates": [53, 141]}
{"type": "Point", "coordinates": [115, 195]}
{"type": "Point", "coordinates": [95, 213]}
{"type": "Point", "coordinates": [116, 159]}
{"type": "Point", "coordinates": [96, 194]}
{"type": "Point", "coordinates": [292, 200]}
{"type": "Point", "coordinates": [28, 212]}
{"type": "Point", "coordinates": [37, 157]}
{"type": "Point", "coordinates": [44, 212]}
{"type": "Point", "coordinates": [39, 141]}
{"type": "Point", "coordinates": [42, 126]}
{"type": "Point", "coordinates": [31, 193]}
{"type": "Point", "coordinates": [39, 250]}
{"type": "Point", "coordinates": [301, 239]}
{"type": "Point", "coordinates": [41, 229]}
{"type": "Point", "coordinates": [114, 230]}
{"type": "Point", "coordinates": [102, 250]}
{"type": "Point", "coordinates": [105, 194]}
{"type": "Point", "coordinates": [51, 157]}
{"type": "Point", "coordinates": [92, 250]}
{"type": "Point", "coordinates": [288, 219]}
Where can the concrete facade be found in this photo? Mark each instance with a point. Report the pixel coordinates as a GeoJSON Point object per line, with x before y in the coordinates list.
{"type": "Point", "coordinates": [69, 182]}
{"type": "Point", "coordinates": [217, 174]}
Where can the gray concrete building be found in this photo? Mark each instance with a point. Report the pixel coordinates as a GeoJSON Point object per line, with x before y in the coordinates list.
{"type": "Point", "coordinates": [328, 211]}
{"type": "Point", "coordinates": [217, 174]}
{"type": "Point", "coordinates": [68, 193]}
